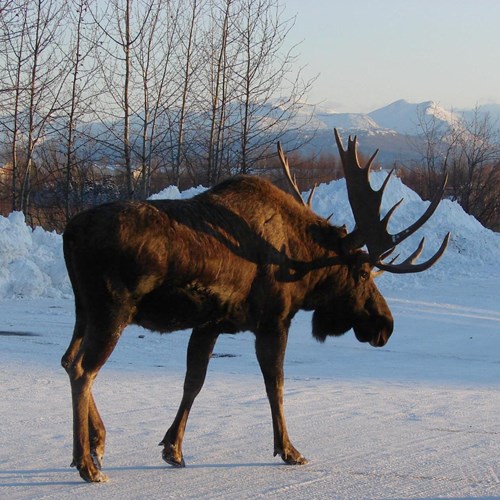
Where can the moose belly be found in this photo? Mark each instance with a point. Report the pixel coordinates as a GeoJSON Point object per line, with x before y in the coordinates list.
{"type": "Point", "coordinates": [170, 308]}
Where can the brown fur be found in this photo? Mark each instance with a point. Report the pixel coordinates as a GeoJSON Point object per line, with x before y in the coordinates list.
{"type": "Point", "coordinates": [241, 256]}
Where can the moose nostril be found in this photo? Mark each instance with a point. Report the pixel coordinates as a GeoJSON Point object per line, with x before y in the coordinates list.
{"type": "Point", "coordinates": [381, 339]}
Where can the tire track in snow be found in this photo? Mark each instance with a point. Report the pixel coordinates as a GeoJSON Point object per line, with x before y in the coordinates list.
{"type": "Point", "coordinates": [446, 309]}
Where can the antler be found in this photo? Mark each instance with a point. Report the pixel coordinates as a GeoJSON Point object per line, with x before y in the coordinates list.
{"type": "Point", "coordinates": [370, 229]}
{"type": "Point", "coordinates": [292, 181]}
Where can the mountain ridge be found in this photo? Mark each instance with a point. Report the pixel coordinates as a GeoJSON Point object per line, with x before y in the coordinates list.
{"type": "Point", "coordinates": [400, 116]}
{"type": "Point", "coordinates": [395, 129]}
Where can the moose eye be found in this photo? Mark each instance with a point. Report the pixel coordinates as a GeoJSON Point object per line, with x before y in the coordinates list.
{"type": "Point", "coordinates": [363, 275]}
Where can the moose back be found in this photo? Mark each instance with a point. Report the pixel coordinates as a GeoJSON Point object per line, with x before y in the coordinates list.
{"type": "Point", "coordinates": [243, 255]}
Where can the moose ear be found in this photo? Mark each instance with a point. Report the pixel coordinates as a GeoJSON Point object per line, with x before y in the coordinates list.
{"type": "Point", "coordinates": [328, 237]}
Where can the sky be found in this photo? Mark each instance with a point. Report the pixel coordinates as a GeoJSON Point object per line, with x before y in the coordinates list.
{"type": "Point", "coordinates": [369, 53]}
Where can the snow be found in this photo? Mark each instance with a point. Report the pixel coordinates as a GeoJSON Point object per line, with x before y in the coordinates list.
{"type": "Point", "coordinates": [416, 419]}
{"type": "Point", "coordinates": [403, 116]}
{"type": "Point", "coordinates": [173, 193]}
{"type": "Point", "coordinates": [400, 117]}
{"type": "Point", "coordinates": [473, 249]}
{"type": "Point", "coordinates": [348, 121]}
{"type": "Point", "coordinates": [31, 261]}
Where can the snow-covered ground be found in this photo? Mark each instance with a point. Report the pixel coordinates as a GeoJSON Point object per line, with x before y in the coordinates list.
{"type": "Point", "coordinates": [416, 419]}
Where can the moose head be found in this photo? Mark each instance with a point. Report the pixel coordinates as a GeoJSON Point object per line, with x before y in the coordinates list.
{"type": "Point", "coordinates": [356, 302]}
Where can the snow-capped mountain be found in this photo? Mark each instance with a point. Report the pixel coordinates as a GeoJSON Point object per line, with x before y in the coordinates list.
{"type": "Point", "coordinates": [357, 121]}
{"type": "Point", "coordinates": [406, 118]}
{"type": "Point", "coordinates": [401, 117]}
{"type": "Point", "coordinates": [396, 129]}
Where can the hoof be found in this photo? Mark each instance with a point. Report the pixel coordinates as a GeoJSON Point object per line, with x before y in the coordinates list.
{"type": "Point", "coordinates": [292, 457]}
{"type": "Point", "coordinates": [90, 472]}
{"type": "Point", "coordinates": [97, 477]}
{"type": "Point", "coordinates": [92, 475]}
{"type": "Point", "coordinates": [295, 461]}
{"type": "Point", "coordinates": [170, 455]}
{"type": "Point", "coordinates": [173, 462]}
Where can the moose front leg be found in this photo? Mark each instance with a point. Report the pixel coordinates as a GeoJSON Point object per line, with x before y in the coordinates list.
{"type": "Point", "coordinates": [270, 348]}
{"type": "Point", "coordinates": [201, 345]}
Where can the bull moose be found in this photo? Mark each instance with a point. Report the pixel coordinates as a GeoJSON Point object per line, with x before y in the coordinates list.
{"type": "Point", "coordinates": [242, 256]}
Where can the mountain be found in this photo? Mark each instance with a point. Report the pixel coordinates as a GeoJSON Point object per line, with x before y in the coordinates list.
{"type": "Point", "coordinates": [356, 121]}
{"type": "Point", "coordinates": [400, 117]}
{"type": "Point", "coordinates": [395, 129]}
{"type": "Point", "coordinates": [405, 118]}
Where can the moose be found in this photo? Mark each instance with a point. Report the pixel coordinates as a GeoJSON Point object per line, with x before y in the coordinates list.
{"type": "Point", "coordinates": [241, 256]}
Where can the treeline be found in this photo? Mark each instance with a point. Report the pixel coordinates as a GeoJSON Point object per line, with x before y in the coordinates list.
{"type": "Point", "coordinates": [113, 99]}
{"type": "Point", "coordinates": [468, 151]}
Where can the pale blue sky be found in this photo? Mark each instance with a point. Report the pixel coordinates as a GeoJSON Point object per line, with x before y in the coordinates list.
{"type": "Point", "coordinates": [370, 53]}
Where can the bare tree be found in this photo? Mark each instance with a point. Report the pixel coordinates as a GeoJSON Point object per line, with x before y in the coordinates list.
{"type": "Point", "coordinates": [475, 172]}
{"type": "Point", "coordinates": [157, 64]}
{"type": "Point", "coordinates": [469, 151]}
{"type": "Point", "coordinates": [14, 22]}
{"type": "Point", "coordinates": [80, 92]}
{"type": "Point", "coordinates": [190, 65]}
{"type": "Point", "coordinates": [270, 90]}
{"type": "Point", "coordinates": [221, 60]}
{"type": "Point", "coordinates": [122, 26]}
{"type": "Point", "coordinates": [185, 88]}
{"type": "Point", "coordinates": [35, 65]}
{"type": "Point", "coordinates": [254, 88]}
{"type": "Point", "coordinates": [436, 144]}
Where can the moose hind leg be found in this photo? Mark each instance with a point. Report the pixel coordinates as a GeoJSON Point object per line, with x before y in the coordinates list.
{"type": "Point", "coordinates": [270, 350]}
{"type": "Point", "coordinates": [68, 359]}
{"type": "Point", "coordinates": [201, 345]}
{"type": "Point", "coordinates": [97, 431]}
{"type": "Point", "coordinates": [88, 429]}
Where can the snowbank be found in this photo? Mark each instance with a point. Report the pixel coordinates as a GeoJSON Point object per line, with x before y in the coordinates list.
{"type": "Point", "coordinates": [472, 249]}
{"type": "Point", "coordinates": [31, 261]}
{"type": "Point", "coordinates": [173, 193]}
{"type": "Point", "coordinates": [32, 264]}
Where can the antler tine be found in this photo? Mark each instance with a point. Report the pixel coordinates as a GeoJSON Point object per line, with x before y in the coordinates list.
{"type": "Point", "coordinates": [398, 238]}
{"type": "Point", "coordinates": [352, 148]}
{"type": "Point", "coordinates": [379, 272]}
{"type": "Point", "coordinates": [292, 180]}
{"type": "Point", "coordinates": [388, 215]}
{"type": "Point", "coordinates": [387, 179]}
{"type": "Point", "coordinates": [365, 202]}
{"type": "Point", "coordinates": [311, 196]}
{"type": "Point", "coordinates": [370, 229]}
{"type": "Point", "coordinates": [409, 266]}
